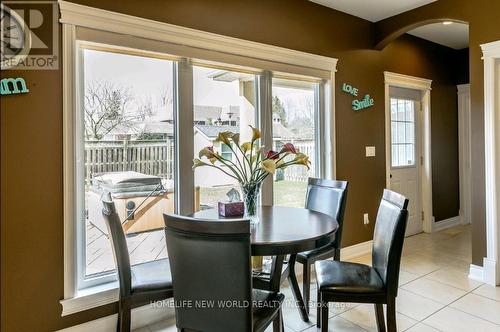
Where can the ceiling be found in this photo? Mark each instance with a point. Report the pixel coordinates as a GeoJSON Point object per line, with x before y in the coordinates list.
{"type": "Point", "coordinates": [454, 35]}
{"type": "Point", "coordinates": [373, 10]}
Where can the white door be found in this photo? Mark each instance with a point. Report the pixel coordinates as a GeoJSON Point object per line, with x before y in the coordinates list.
{"type": "Point", "coordinates": [406, 157]}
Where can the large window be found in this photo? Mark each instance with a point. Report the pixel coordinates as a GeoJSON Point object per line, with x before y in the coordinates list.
{"type": "Point", "coordinates": [224, 101]}
{"type": "Point", "coordinates": [137, 112]}
{"type": "Point", "coordinates": [295, 114]}
{"type": "Point", "coordinates": [127, 146]}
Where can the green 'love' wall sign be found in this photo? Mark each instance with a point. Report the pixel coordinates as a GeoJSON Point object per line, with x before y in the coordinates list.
{"type": "Point", "coordinates": [357, 105]}
{"type": "Point", "coordinates": [12, 86]}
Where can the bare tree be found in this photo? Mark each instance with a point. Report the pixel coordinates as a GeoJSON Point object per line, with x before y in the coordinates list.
{"type": "Point", "coordinates": [165, 96]}
{"type": "Point", "coordinates": [105, 109]}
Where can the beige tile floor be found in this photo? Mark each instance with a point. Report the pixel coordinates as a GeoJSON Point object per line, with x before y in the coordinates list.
{"type": "Point", "coordinates": [435, 293]}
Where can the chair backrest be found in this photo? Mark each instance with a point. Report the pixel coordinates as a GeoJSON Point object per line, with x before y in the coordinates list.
{"type": "Point", "coordinates": [119, 245]}
{"type": "Point", "coordinates": [211, 273]}
{"type": "Point", "coordinates": [388, 238]}
{"type": "Point", "coordinates": [328, 197]}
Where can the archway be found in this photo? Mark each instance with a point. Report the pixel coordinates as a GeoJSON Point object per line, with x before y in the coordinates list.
{"type": "Point", "coordinates": [382, 40]}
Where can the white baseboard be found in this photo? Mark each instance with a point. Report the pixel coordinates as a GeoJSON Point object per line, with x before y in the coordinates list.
{"type": "Point", "coordinates": [446, 223]}
{"type": "Point", "coordinates": [356, 250]}
{"type": "Point", "coordinates": [141, 317]}
{"type": "Point", "coordinates": [150, 314]}
{"type": "Point", "coordinates": [491, 272]}
{"type": "Point", "coordinates": [476, 272]}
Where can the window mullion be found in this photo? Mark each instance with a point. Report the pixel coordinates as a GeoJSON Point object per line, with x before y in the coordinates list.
{"type": "Point", "coordinates": [266, 126]}
{"type": "Point", "coordinates": [320, 132]}
{"type": "Point", "coordinates": [184, 149]}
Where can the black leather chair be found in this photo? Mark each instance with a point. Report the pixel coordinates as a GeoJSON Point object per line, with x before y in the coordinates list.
{"type": "Point", "coordinates": [328, 197]}
{"type": "Point", "coordinates": [140, 284]}
{"type": "Point", "coordinates": [211, 274]}
{"type": "Point", "coordinates": [359, 283]}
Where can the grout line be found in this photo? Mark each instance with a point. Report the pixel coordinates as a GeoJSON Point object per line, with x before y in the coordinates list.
{"type": "Point", "coordinates": [353, 323]}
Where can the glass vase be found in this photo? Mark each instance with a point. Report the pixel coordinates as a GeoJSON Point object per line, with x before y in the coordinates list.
{"type": "Point", "coordinates": [251, 191]}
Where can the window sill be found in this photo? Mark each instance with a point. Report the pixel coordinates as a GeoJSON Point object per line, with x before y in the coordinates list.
{"type": "Point", "coordinates": [89, 298]}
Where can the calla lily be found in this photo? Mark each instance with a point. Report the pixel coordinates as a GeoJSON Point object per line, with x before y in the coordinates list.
{"type": "Point", "coordinates": [273, 154]}
{"type": "Point", "coordinates": [269, 166]}
{"type": "Point", "coordinates": [246, 146]}
{"type": "Point", "coordinates": [302, 159]}
{"type": "Point", "coordinates": [236, 139]}
{"type": "Point", "coordinates": [198, 163]}
{"type": "Point", "coordinates": [207, 152]}
{"type": "Point", "coordinates": [224, 137]}
{"type": "Point", "coordinates": [255, 134]}
{"type": "Point", "coordinates": [289, 147]}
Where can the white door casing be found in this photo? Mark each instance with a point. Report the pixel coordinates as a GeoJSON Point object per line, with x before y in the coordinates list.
{"type": "Point", "coordinates": [424, 174]}
{"type": "Point", "coordinates": [464, 152]}
{"type": "Point", "coordinates": [491, 263]}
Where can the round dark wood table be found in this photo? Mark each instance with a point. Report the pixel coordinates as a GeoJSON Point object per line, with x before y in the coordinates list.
{"type": "Point", "coordinates": [284, 231]}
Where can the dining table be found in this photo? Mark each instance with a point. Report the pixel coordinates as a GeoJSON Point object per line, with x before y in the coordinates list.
{"type": "Point", "coordinates": [283, 232]}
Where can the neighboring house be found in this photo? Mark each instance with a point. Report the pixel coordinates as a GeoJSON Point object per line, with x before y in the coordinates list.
{"type": "Point", "coordinates": [205, 135]}
{"type": "Point", "coordinates": [209, 122]}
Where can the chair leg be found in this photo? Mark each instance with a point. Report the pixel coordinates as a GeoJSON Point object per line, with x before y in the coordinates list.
{"type": "Point", "coordinates": [379, 314]}
{"type": "Point", "coordinates": [292, 280]}
{"type": "Point", "coordinates": [278, 324]}
{"type": "Point", "coordinates": [123, 317]}
{"type": "Point", "coordinates": [306, 284]}
{"type": "Point", "coordinates": [336, 255]}
{"type": "Point", "coordinates": [391, 314]}
{"type": "Point", "coordinates": [324, 316]}
{"type": "Point", "coordinates": [318, 309]}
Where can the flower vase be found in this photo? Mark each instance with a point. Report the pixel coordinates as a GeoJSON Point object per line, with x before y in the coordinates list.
{"type": "Point", "coordinates": [251, 191]}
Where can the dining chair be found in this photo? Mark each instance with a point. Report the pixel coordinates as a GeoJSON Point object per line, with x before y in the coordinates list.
{"type": "Point", "coordinates": [359, 283]}
{"type": "Point", "coordinates": [140, 284]}
{"type": "Point", "coordinates": [328, 197]}
{"type": "Point", "coordinates": [211, 274]}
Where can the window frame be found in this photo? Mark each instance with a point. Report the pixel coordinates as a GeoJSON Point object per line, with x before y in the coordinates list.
{"type": "Point", "coordinates": [414, 122]}
{"type": "Point", "coordinates": [82, 281]}
{"type": "Point", "coordinates": [74, 17]}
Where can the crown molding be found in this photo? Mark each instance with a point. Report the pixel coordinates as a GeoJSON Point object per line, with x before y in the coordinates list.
{"type": "Point", "coordinates": [100, 19]}
{"type": "Point", "coordinates": [407, 81]}
{"type": "Point", "coordinates": [491, 50]}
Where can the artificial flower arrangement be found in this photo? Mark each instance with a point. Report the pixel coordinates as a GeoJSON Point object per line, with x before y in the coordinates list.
{"type": "Point", "coordinates": [251, 166]}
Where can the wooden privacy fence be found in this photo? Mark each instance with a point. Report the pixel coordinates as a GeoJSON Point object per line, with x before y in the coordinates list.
{"type": "Point", "coordinates": [298, 173]}
{"type": "Point", "coordinates": [153, 157]}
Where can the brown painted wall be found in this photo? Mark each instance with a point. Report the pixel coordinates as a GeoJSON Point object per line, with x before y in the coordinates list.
{"type": "Point", "coordinates": [31, 136]}
{"type": "Point", "coordinates": [483, 17]}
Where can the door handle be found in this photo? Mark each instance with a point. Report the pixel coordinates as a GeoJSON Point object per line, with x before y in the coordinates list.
{"type": "Point", "coordinates": [390, 176]}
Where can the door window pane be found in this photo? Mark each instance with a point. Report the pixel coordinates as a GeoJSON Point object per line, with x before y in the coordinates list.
{"type": "Point", "coordinates": [294, 121]}
{"type": "Point", "coordinates": [223, 101]}
{"type": "Point", "coordinates": [128, 150]}
{"type": "Point", "coordinates": [402, 132]}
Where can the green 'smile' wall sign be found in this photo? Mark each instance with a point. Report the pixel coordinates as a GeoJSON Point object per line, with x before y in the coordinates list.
{"type": "Point", "coordinates": [357, 105]}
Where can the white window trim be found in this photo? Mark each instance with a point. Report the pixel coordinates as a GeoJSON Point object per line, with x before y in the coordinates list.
{"type": "Point", "coordinates": [74, 15]}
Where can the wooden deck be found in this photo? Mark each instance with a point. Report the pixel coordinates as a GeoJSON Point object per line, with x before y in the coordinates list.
{"type": "Point", "coordinates": [142, 248]}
